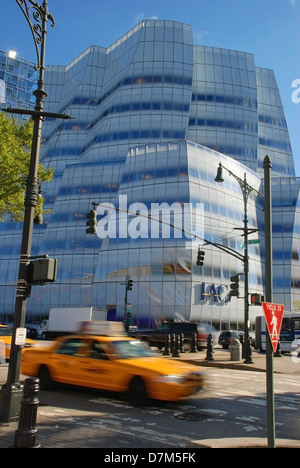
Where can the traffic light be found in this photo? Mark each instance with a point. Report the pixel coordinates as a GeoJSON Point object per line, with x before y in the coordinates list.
{"type": "Point", "coordinates": [234, 286]}
{"type": "Point", "coordinates": [129, 284]}
{"type": "Point", "coordinates": [256, 299]}
{"type": "Point", "coordinates": [200, 258]}
{"type": "Point", "coordinates": [92, 222]}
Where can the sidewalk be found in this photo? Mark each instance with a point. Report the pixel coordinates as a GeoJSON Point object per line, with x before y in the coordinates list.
{"type": "Point", "coordinates": [71, 428]}
{"type": "Point", "coordinates": [221, 358]}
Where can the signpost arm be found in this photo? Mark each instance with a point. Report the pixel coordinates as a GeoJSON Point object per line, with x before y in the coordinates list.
{"type": "Point", "coordinates": [269, 294]}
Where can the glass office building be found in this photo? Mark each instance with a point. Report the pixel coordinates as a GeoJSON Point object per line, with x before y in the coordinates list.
{"type": "Point", "coordinates": [18, 78]}
{"type": "Point", "coordinates": [153, 116]}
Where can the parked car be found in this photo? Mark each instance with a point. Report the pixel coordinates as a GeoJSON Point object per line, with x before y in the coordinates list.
{"type": "Point", "coordinates": [157, 336]}
{"type": "Point", "coordinates": [31, 332]}
{"type": "Point", "coordinates": [227, 336]}
{"type": "Point", "coordinates": [6, 337]}
{"type": "Point", "coordinates": [114, 363]}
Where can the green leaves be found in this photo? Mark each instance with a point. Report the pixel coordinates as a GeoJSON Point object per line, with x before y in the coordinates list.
{"type": "Point", "coordinates": [15, 151]}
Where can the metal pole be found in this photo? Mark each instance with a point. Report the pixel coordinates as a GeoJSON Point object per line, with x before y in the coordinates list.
{"type": "Point", "coordinates": [246, 190]}
{"type": "Point", "coordinates": [247, 347]}
{"type": "Point", "coordinates": [30, 204]}
{"type": "Point", "coordinates": [269, 295]}
{"type": "Point", "coordinates": [126, 295]}
{"type": "Point", "coordinates": [12, 392]}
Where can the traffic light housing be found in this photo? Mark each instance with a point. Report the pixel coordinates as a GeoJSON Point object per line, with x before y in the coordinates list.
{"type": "Point", "coordinates": [234, 286]}
{"type": "Point", "coordinates": [92, 222]}
{"type": "Point", "coordinates": [200, 258]}
{"type": "Point", "coordinates": [256, 299]}
{"type": "Point", "coordinates": [129, 284]}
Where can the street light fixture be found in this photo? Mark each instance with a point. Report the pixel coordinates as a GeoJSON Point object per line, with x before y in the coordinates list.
{"type": "Point", "coordinates": [37, 17]}
{"type": "Point", "coordinates": [246, 190]}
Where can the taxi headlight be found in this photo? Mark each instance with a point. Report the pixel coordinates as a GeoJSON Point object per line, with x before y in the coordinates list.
{"type": "Point", "coordinates": [172, 378]}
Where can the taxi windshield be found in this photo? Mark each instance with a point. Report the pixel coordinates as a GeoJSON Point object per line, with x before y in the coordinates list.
{"type": "Point", "coordinates": [5, 331]}
{"type": "Point", "coordinates": [132, 349]}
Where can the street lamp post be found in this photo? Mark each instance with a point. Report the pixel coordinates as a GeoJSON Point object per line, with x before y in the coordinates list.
{"type": "Point", "coordinates": [37, 17]}
{"type": "Point", "coordinates": [246, 190]}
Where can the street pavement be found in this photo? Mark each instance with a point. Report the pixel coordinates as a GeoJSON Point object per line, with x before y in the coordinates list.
{"type": "Point", "coordinates": [56, 429]}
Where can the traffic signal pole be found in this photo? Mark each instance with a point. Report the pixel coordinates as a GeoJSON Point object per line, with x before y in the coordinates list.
{"type": "Point", "coordinates": [128, 287]}
{"type": "Point", "coordinates": [126, 295]}
{"type": "Point", "coordinates": [246, 190]}
{"type": "Point", "coordinates": [247, 345]}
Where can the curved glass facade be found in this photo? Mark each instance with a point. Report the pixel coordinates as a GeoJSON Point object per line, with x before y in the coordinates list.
{"type": "Point", "coordinates": [18, 78]}
{"type": "Point", "coordinates": [153, 116]}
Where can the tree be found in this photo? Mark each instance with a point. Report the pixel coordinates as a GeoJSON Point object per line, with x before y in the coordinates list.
{"type": "Point", "coordinates": [15, 151]}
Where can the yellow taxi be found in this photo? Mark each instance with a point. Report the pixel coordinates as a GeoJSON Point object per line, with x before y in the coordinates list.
{"type": "Point", "coordinates": [6, 337]}
{"type": "Point", "coordinates": [115, 363]}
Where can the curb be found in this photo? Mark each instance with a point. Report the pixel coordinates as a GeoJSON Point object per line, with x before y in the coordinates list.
{"type": "Point", "coordinates": [243, 442]}
{"type": "Point", "coordinates": [239, 365]}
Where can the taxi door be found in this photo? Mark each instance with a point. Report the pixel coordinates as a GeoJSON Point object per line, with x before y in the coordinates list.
{"type": "Point", "coordinates": [101, 371]}
{"type": "Point", "coordinates": [69, 361]}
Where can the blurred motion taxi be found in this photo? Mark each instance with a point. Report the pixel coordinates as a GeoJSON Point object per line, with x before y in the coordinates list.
{"type": "Point", "coordinates": [6, 337]}
{"type": "Point", "coordinates": [104, 357]}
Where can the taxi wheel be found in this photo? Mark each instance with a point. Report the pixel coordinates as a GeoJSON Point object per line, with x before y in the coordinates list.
{"type": "Point", "coordinates": [137, 392]}
{"type": "Point", "coordinates": [46, 383]}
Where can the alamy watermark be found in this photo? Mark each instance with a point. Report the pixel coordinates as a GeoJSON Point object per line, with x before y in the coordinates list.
{"type": "Point", "coordinates": [159, 221]}
{"type": "Point", "coordinates": [296, 93]}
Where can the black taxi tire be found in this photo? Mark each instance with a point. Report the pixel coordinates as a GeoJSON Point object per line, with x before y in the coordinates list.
{"type": "Point", "coordinates": [46, 382]}
{"type": "Point", "coordinates": [137, 391]}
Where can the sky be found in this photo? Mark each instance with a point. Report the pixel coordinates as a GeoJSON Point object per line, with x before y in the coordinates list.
{"type": "Point", "coordinates": [270, 29]}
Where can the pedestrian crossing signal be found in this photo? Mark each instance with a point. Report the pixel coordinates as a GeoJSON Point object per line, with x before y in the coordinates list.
{"type": "Point", "coordinates": [256, 299]}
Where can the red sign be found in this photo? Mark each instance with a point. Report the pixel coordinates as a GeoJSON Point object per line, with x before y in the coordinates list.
{"type": "Point", "coordinates": [274, 316]}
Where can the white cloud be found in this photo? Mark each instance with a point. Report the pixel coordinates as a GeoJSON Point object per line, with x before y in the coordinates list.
{"type": "Point", "coordinates": [141, 16]}
{"type": "Point", "coordinates": [293, 2]}
{"type": "Point", "coordinates": [199, 36]}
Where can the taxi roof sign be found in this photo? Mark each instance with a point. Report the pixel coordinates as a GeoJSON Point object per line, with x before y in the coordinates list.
{"type": "Point", "coordinates": [103, 328]}
{"type": "Point", "coordinates": [274, 315]}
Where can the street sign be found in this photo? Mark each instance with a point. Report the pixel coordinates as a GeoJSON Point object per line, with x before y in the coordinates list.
{"type": "Point", "coordinates": [251, 241]}
{"type": "Point", "coordinates": [274, 316]}
{"type": "Point", "coordinates": [21, 336]}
